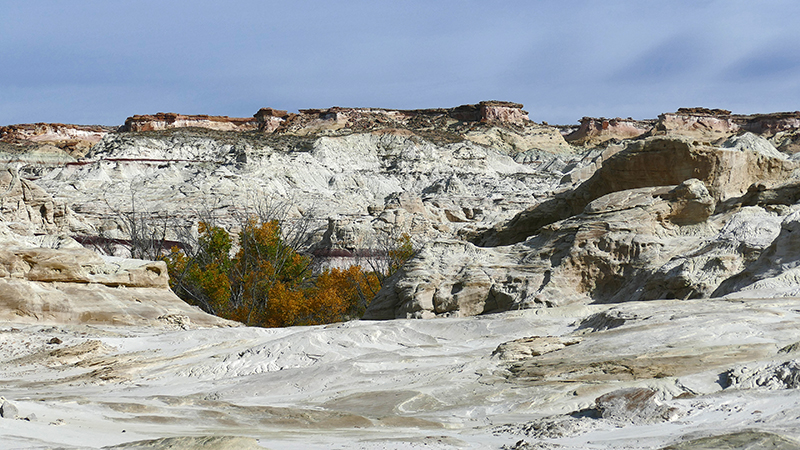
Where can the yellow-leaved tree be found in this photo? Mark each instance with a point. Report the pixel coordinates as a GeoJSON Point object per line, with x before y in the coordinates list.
{"type": "Point", "coordinates": [268, 282]}
{"type": "Point", "coordinates": [203, 278]}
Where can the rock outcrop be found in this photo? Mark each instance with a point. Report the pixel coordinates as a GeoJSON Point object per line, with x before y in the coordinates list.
{"type": "Point", "coordinates": [775, 272]}
{"type": "Point", "coordinates": [604, 254]}
{"type": "Point", "coordinates": [74, 140]}
{"type": "Point", "coordinates": [336, 119]}
{"type": "Point", "coordinates": [594, 131]}
{"type": "Point", "coordinates": [27, 209]}
{"type": "Point", "coordinates": [270, 119]}
{"type": "Point", "coordinates": [770, 124]}
{"type": "Point", "coordinates": [705, 125]}
{"type": "Point", "coordinates": [76, 286]}
{"type": "Point", "coordinates": [638, 406]}
{"type": "Point", "coordinates": [773, 375]}
{"type": "Point", "coordinates": [486, 112]}
{"type": "Point", "coordinates": [71, 263]}
{"type": "Point", "coordinates": [622, 236]}
{"type": "Point", "coordinates": [728, 171]}
{"type": "Point", "coordinates": [163, 121]}
{"type": "Point", "coordinates": [712, 125]}
{"type": "Point", "coordinates": [52, 132]}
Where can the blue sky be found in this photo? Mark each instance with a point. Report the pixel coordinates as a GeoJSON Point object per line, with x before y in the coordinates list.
{"type": "Point", "coordinates": [98, 62]}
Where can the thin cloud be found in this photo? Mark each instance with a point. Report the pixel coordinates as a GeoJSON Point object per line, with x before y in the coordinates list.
{"type": "Point", "coordinates": [766, 64]}
{"type": "Point", "coordinates": [675, 59]}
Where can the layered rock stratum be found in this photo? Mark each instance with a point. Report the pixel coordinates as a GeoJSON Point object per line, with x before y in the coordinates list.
{"type": "Point", "coordinates": [619, 283]}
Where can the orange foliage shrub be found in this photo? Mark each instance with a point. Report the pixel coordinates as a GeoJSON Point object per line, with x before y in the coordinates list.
{"type": "Point", "coordinates": [267, 273]}
{"type": "Point", "coordinates": [268, 283]}
{"type": "Point", "coordinates": [344, 293]}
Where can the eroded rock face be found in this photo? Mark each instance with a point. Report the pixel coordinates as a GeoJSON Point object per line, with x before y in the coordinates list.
{"type": "Point", "coordinates": [270, 119]}
{"type": "Point", "coordinates": [80, 265]}
{"type": "Point", "coordinates": [359, 119]}
{"type": "Point", "coordinates": [464, 284]}
{"type": "Point", "coordinates": [50, 132]}
{"type": "Point", "coordinates": [771, 124]}
{"type": "Point", "coordinates": [632, 243]}
{"type": "Point", "coordinates": [787, 141]}
{"type": "Point", "coordinates": [503, 112]}
{"type": "Point", "coordinates": [774, 375]}
{"type": "Point", "coordinates": [361, 184]}
{"type": "Point", "coordinates": [698, 123]}
{"type": "Point", "coordinates": [776, 271]}
{"type": "Point", "coordinates": [27, 209]}
{"type": "Point", "coordinates": [605, 254]}
{"type": "Point", "coordinates": [713, 125]}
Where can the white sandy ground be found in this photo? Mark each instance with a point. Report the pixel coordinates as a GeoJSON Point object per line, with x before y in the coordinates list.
{"type": "Point", "coordinates": [399, 384]}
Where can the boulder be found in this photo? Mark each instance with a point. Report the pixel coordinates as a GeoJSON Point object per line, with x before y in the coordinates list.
{"type": "Point", "coordinates": [772, 375]}
{"type": "Point", "coordinates": [8, 410]}
{"type": "Point", "coordinates": [532, 346]}
{"type": "Point", "coordinates": [637, 406]}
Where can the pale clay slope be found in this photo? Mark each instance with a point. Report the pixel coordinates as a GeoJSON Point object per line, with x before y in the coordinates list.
{"type": "Point", "coordinates": [409, 383]}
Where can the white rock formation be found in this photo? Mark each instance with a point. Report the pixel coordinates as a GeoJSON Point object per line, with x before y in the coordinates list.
{"type": "Point", "coordinates": [633, 243]}
{"type": "Point", "coordinates": [354, 179]}
{"type": "Point", "coordinates": [627, 344]}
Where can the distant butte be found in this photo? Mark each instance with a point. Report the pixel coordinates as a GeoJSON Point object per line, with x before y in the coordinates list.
{"type": "Point", "coordinates": [705, 124]}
